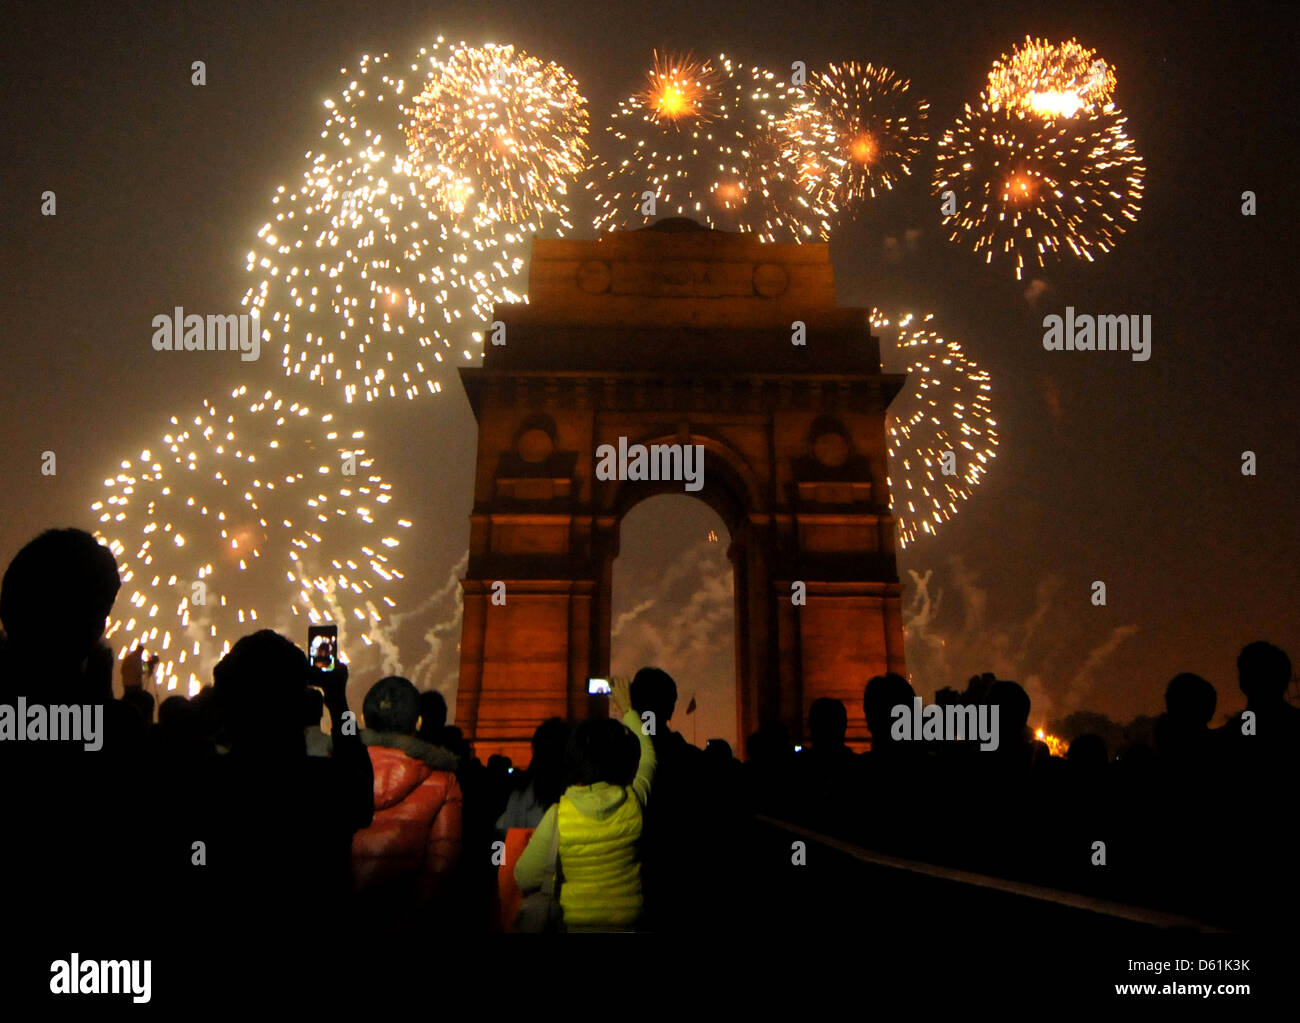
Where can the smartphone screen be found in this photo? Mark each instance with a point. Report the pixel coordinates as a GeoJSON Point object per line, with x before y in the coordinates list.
{"type": "Point", "coordinates": [598, 686]}
{"type": "Point", "coordinates": [323, 646]}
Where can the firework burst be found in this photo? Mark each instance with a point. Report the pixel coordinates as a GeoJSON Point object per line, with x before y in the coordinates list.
{"type": "Point", "coordinates": [369, 285]}
{"type": "Point", "coordinates": [680, 89]}
{"type": "Point", "coordinates": [708, 152]}
{"type": "Point", "coordinates": [1051, 80]}
{"type": "Point", "coordinates": [1030, 190]}
{"type": "Point", "coordinates": [946, 409]}
{"type": "Point", "coordinates": [500, 132]}
{"type": "Point", "coordinates": [255, 503]}
{"type": "Point", "coordinates": [857, 132]}
{"type": "Point", "coordinates": [776, 204]}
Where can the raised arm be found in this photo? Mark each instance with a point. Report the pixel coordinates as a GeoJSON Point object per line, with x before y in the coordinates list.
{"type": "Point", "coordinates": [645, 768]}
{"type": "Point", "coordinates": [350, 760]}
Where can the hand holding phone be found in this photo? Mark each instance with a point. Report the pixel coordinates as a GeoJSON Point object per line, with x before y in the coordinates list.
{"type": "Point", "coordinates": [620, 699]}
{"type": "Point", "coordinates": [323, 647]}
{"type": "Point", "coordinates": [133, 669]}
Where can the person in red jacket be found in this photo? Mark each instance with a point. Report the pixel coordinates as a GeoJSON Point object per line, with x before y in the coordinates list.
{"type": "Point", "coordinates": [415, 837]}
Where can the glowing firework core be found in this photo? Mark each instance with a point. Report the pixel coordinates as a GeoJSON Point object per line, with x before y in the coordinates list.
{"type": "Point", "coordinates": [703, 139]}
{"type": "Point", "coordinates": [679, 88]}
{"type": "Point", "coordinates": [859, 128]}
{"type": "Point", "coordinates": [864, 149]}
{"type": "Point", "coordinates": [1020, 187]}
{"type": "Point", "coordinates": [1051, 80]}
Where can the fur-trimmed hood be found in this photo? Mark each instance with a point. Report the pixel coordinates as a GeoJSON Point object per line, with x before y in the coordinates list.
{"type": "Point", "coordinates": [436, 757]}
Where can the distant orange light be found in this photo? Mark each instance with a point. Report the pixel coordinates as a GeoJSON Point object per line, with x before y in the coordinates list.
{"type": "Point", "coordinates": [863, 149]}
{"type": "Point", "coordinates": [1056, 746]}
{"type": "Point", "coordinates": [1021, 188]}
{"type": "Point", "coordinates": [727, 193]}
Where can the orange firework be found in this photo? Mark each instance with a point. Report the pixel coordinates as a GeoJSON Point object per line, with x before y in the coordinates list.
{"type": "Point", "coordinates": [1057, 746]}
{"type": "Point", "coordinates": [1031, 190]}
{"type": "Point", "coordinates": [679, 88]}
{"type": "Point", "coordinates": [859, 128]}
{"type": "Point", "coordinates": [726, 165]}
{"type": "Point", "coordinates": [1051, 80]}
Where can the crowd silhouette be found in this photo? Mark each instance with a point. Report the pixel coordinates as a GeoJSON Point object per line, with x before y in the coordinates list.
{"type": "Point", "coordinates": [235, 805]}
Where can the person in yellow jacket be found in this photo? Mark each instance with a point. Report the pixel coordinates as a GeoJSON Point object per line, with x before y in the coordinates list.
{"type": "Point", "coordinates": [599, 817]}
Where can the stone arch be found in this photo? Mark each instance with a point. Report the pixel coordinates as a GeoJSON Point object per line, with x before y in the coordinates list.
{"type": "Point", "coordinates": [733, 498]}
{"type": "Point", "coordinates": [678, 346]}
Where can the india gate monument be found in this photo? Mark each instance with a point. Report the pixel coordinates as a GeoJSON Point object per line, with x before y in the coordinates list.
{"type": "Point", "coordinates": [684, 341]}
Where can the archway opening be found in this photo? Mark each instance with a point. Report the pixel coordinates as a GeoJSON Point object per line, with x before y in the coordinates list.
{"type": "Point", "coordinates": [673, 606]}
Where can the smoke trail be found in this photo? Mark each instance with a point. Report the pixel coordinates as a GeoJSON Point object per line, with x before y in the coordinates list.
{"type": "Point", "coordinates": [436, 635]}
{"type": "Point", "coordinates": [949, 642]}
{"type": "Point", "coordinates": [1083, 678]}
{"type": "Point", "coordinates": [629, 616]}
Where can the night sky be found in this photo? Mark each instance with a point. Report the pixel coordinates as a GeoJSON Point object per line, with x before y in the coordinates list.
{"type": "Point", "coordinates": [1107, 469]}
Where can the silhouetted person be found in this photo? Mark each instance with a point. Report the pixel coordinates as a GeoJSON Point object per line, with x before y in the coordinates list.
{"type": "Point", "coordinates": [61, 799]}
{"type": "Point", "coordinates": [1017, 750]}
{"type": "Point", "coordinates": [475, 876]}
{"type": "Point", "coordinates": [404, 856]}
{"type": "Point", "coordinates": [882, 694]}
{"type": "Point", "coordinates": [1087, 755]}
{"type": "Point", "coordinates": [1183, 732]}
{"type": "Point", "coordinates": [207, 717]}
{"type": "Point", "coordinates": [1262, 745]}
{"type": "Point", "coordinates": [179, 742]}
{"type": "Point", "coordinates": [433, 717]}
{"type": "Point", "coordinates": [892, 773]}
{"type": "Point", "coordinates": [719, 750]}
{"type": "Point", "coordinates": [826, 770]}
{"type": "Point", "coordinates": [453, 740]}
{"type": "Point", "coordinates": [313, 713]}
{"type": "Point", "coordinates": [54, 600]}
{"type": "Point", "coordinates": [499, 767]}
{"type": "Point", "coordinates": [653, 691]}
{"type": "Point", "coordinates": [1016, 775]}
{"type": "Point", "coordinates": [281, 823]}
{"type": "Point", "coordinates": [677, 817]}
{"type": "Point", "coordinates": [174, 713]}
{"type": "Point", "coordinates": [1264, 673]}
{"type": "Point", "coordinates": [541, 785]}
{"type": "Point", "coordinates": [136, 675]}
{"type": "Point", "coordinates": [770, 747]}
